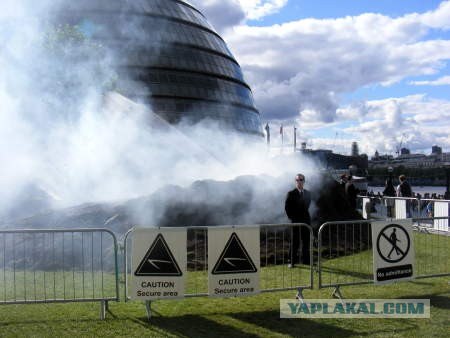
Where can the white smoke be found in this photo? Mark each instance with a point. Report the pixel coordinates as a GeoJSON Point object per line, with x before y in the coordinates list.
{"type": "Point", "coordinates": [64, 133]}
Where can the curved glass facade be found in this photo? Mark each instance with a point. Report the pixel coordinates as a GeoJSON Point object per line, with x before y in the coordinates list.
{"type": "Point", "coordinates": [169, 55]}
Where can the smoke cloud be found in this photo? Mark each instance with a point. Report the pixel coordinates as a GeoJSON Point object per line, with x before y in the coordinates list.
{"type": "Point", "coordinates": [68, 138]}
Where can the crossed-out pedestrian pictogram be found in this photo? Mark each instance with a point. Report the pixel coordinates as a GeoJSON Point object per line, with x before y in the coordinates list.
{"type": "Point", "coordinates": [399, 241]}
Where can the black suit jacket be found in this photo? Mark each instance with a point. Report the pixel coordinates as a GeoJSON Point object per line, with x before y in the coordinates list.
{"type": "Point", "coordinates": [405, 189]}
{"type": "Point", "coordinates": [296, 206]}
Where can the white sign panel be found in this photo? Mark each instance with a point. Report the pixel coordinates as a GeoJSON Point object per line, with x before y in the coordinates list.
{"type": "Point", "coordinates": [400, 209]}
{"type": "Point", "coordinates": [393, 251]}
{"type": "Point", "coordinates": [441, 210]}
{"type": "Point", "coordinates": [366, 207]}
{"type": "Point", "coordinates": [158, 263]}
{"type": "Point", "coordinates": [233, 261]}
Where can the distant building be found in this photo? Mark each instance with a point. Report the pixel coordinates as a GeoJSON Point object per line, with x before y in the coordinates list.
{"type": "Point", "coordinates": [328, 159]}
{"type": "Point", "coordinates": [436, 159]}
{"type": "Point", "coordinates": [445, 157]}
{"type": "Point", "coordinates": [411, 161]}
{"type": "Point", "coordinates": [405, 151]}
{"type": "Point", "coordinates": [436, 150]}
{"type": "Point", "coordinates": [355, 149]}
{"type": "Point", "coordinates": [382, 159]}
{"type": "Point", "coordinates": [170, 57]}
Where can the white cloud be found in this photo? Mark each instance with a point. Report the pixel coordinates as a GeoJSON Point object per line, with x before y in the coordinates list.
{"type": "Point", "coordinates": [442, 81]}
{"type": "Point", "coordinates": [418, 120]}
{"type": "Point", "coordinates": [223, 14]}
{"type": "Point", "coordinates": [439, 18]}
{"type": "Point", "coordinates": [257, 9]}
{"type": "Point", "coordinates": [306, 65]}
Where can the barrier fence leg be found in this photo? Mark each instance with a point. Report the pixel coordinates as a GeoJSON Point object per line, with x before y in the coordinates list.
{"type": "Point", "coordinates": [337, 293]}
{"type": "Point", "coordinates": [299, 295]}
{"type": "Point", "coordinates": [103, 307]}
{"type": "Point", "coordinates": [148, 307]}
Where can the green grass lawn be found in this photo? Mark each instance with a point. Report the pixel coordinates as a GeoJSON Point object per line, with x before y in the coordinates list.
{"type": "Point", "coordinates": [234, 317]}
{"type": "Point", "coordinates": [432, 256]}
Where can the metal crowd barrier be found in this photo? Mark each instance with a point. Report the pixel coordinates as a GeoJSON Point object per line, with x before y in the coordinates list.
{"type": "Point", "coordinates": [59, 266]}
{"type": "Point", "coordinates": [373, 207]}
{"type": "Point", "coordinates": [436, 208]}
{"type": "Point", "coordinates": [345, 252]}
{"type": "Point", "coordinates": [276, 274]}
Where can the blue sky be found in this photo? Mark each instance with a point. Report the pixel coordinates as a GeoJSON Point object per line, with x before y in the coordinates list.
{"type": "Point", "coordinates": [320, 9]}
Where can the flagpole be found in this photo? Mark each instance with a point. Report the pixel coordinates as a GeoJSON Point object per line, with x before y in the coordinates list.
{"type": "Point", "coordinates": [295, 138]}
{"type": "Point", "coordinates": [282, 138]}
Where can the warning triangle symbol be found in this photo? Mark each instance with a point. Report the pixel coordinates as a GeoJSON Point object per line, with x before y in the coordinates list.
{"type": "Point", "coordinates": [234, 258]}
{"type": "Point", "coordinates": [158, 261]}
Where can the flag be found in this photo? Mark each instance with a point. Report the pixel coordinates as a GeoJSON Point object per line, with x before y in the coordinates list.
{"type": "Point", "coordinates": [281, 130]}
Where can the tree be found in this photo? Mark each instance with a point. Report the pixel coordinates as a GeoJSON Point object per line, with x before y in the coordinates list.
{"type": "Point", "coordinates": [73, 67]}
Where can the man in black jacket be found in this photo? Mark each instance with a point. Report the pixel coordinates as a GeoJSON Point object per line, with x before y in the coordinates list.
{"type": "Point", "coordinates": [404, 188]}
{"type": "Point", "coordinates": [296, 207]}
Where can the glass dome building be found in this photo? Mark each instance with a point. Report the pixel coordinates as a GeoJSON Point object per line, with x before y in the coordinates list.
{"type": "Point", "coordinates": [167, 54]}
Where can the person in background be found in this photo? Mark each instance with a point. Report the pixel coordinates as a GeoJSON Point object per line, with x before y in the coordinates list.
{"type": "Point", "coordinates": [351, 192]}
{"type": "Point", "coordinates": [296, 206]}
{"type": "Point", "coordinates": [404, 190]}
{"type": "Point", "coordinates": [389, 191]}
{"type": "Point", "coordinates": [344, 179]}
{"type": "Point", "coordinates": [429, 209]}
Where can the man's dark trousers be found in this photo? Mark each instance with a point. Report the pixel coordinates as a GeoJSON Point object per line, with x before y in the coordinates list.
{"type": "Point", "coordinates": [296, 206]}
{"type": "Point", "coordinates": [300, 234]}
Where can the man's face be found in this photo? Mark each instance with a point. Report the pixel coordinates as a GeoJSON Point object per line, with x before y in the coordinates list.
{"type": "Point", "coordinates": [299, 181]}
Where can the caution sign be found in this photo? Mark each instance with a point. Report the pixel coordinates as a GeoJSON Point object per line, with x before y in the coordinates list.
{"type": "Point", "coordinates": [234, 258]}
{"type": "Point", "coordinates": [233, 261]}
{"type": "Point", "coordinates": [158, 263]}
{"type": "Point", "coordinates": [393, 252]}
